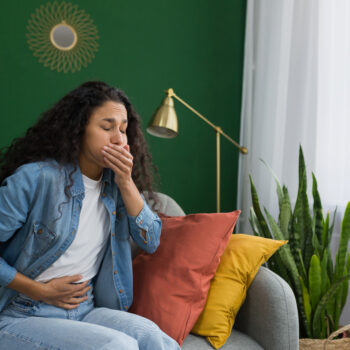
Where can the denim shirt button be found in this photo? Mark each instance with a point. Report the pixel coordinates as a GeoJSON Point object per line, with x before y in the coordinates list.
{"type": "Point", "coordinates": [113, 212]}
{"type": "Point", "coordinates": [103, 194]}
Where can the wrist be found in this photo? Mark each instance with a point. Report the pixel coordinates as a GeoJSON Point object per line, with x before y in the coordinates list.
{"type": "Point", "coordinates": [40, 290]}
{"type": "Point", "coordinates": [23, 284]}
{"type": "Point", "coordinates": [125, 185]}
{"type": "Point", "coordinates": [37, 290]}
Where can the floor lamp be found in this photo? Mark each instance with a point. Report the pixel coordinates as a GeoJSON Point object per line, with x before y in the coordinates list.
{"type": "Point", "coordinates": [164, 124]}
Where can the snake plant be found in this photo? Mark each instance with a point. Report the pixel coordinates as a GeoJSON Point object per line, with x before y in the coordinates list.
{"type": "Point", "coordinates": [305, 263]}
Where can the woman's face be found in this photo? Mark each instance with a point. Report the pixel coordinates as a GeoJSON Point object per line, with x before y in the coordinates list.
{"type": "Point", "coordinates": [107, 124]}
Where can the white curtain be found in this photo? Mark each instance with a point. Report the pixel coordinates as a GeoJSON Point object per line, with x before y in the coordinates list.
{"type": "Point", "coordinates": [296, 91]}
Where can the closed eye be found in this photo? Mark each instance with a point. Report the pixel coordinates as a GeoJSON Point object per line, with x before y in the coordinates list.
{"type": "Point", "coordinates": [122, 131]}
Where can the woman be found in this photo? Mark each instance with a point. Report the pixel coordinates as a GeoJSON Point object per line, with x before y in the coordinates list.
{"type": "Point", "coordinates": [69, 201]}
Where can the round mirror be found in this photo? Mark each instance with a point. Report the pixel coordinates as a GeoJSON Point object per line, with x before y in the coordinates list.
{"type": "Point", "coordinates": [63, 36]}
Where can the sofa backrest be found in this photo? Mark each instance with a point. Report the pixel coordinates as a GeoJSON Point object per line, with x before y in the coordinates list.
{"type": "Point", "coordinates": [166, 204]}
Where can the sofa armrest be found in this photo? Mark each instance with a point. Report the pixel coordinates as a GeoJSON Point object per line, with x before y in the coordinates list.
{"type": "Point", "coordinates": [269, 314]}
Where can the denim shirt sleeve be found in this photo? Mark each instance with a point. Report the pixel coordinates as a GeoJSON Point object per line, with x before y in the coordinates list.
{"type": "Point", "coordinates": [16, 195]}
{"type": "Point", "coordinates": [150, 222]}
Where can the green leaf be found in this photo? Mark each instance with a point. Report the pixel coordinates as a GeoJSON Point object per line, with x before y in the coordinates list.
{"type": "Point", "coordinates": [330, 270]}
{"type": "Point", "coordinates": [346, 284]}
{"type": "Point", "coordinates": [316, 245]}
{"type": "Point", "coordinates": [315, 281]}
{"type": "Point", "coordinates": [323, 325]}
{"type": "Point", "coordinates": [255, 200]}
{"type": "Point", "coordinates": [325, 229]}
{"type": "Point", "coordinates": [302, 167]}
{"type": "Point", "coordinates": [275, 262]}
{"type": "Point", "coordinates": [318, 215]}
{"type": "Point", "coordinates": [306, 301]}
{"type": "Point", "coordinates": [305, 224]}
{"type": "Point", "coordinates": [332, 226]}
{"type": "Point", "coordinates": [323, 302]}
{"type": "Point", "coordinates": [295, 248]}
{"type": "Point", "coordinates": [254, 223]}
{"type": "Point", "coordinates": [329, 306]}
{"type": "Point", "coordinates": [343, 243]}
{"type": "Point", "coordinates": [302, 271]}
{"type": "Point", "coordinates": [340, 258]}
{"type": "Point", "coordinates": [324, 275]}
{"type": "Point", "coordinates": [280, 268]}
{"type": "Point", "coordinates": [345, 289]}
{"type": "Point", "coordinates": [278, 185]}
{"type": "Point", "coordinates": [331, 324]}
{"type": "Point", "coordinates": [285, 213]}
{"type": "Point", "coordinates": [301, 216]}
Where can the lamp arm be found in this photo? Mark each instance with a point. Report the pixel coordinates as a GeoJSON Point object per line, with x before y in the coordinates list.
{"type": "Point", "coordinates": [242, 149]}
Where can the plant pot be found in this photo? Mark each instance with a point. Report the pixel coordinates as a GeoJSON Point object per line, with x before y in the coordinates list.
{"type": "Point", "coordinates": [327, 344]}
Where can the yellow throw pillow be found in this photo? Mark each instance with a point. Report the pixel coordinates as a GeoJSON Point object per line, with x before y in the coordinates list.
{"type": "Point", "coordinates": [240, 262]}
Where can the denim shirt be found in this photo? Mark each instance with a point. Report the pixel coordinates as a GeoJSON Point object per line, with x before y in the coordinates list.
{"type": "Point", "coordinates": [34, 234]}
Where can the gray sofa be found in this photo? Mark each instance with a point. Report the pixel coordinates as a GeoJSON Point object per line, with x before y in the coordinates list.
{"type": "Point", "coordinates": [268, 319]}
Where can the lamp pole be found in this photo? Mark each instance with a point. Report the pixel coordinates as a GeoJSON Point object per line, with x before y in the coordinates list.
{"type": "Point", "coordinates": [218, 169]}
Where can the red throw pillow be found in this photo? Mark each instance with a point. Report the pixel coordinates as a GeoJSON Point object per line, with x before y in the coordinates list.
{"type": "Point", "coordinates": [171, 285]}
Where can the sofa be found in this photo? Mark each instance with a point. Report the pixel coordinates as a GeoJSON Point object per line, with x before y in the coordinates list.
{"type": "Point", "coordinates": [268, 318]}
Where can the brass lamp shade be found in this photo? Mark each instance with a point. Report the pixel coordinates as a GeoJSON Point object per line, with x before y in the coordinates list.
{"type": "Point", "coordinates": [164, 121]}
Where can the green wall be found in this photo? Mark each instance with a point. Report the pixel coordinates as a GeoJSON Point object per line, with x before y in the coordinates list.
{"type": "Point", "coordinates": [146, 47]}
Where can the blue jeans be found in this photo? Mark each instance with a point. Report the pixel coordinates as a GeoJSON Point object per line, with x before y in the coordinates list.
{"type": "Point", "coordinates": [30, 324]}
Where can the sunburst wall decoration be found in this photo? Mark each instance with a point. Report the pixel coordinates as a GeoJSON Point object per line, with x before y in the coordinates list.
{"type": "Point", "coordinates": [62, 36]}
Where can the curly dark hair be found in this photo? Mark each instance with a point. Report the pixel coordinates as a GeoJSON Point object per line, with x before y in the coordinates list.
{"type": "Point", "coordinates": [59, 131]}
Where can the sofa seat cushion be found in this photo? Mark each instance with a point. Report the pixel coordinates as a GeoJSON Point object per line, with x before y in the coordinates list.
{"type": "Point", "coordinates": [236, 341]}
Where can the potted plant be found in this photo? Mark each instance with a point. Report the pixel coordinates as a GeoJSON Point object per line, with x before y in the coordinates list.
{"type": "Point", "coordinates": [305, 263]}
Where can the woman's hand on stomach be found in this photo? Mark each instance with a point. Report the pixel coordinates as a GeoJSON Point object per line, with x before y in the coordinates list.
{"type": "Point", "coordinates": [62, 292]}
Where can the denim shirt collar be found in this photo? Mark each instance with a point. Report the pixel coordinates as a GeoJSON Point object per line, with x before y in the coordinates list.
{"type": "Point", "coordinates": [78, 185]}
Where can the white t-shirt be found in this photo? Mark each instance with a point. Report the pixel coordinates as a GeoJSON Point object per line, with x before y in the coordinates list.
{"type": "Point", "coordinates": [85, 253]}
